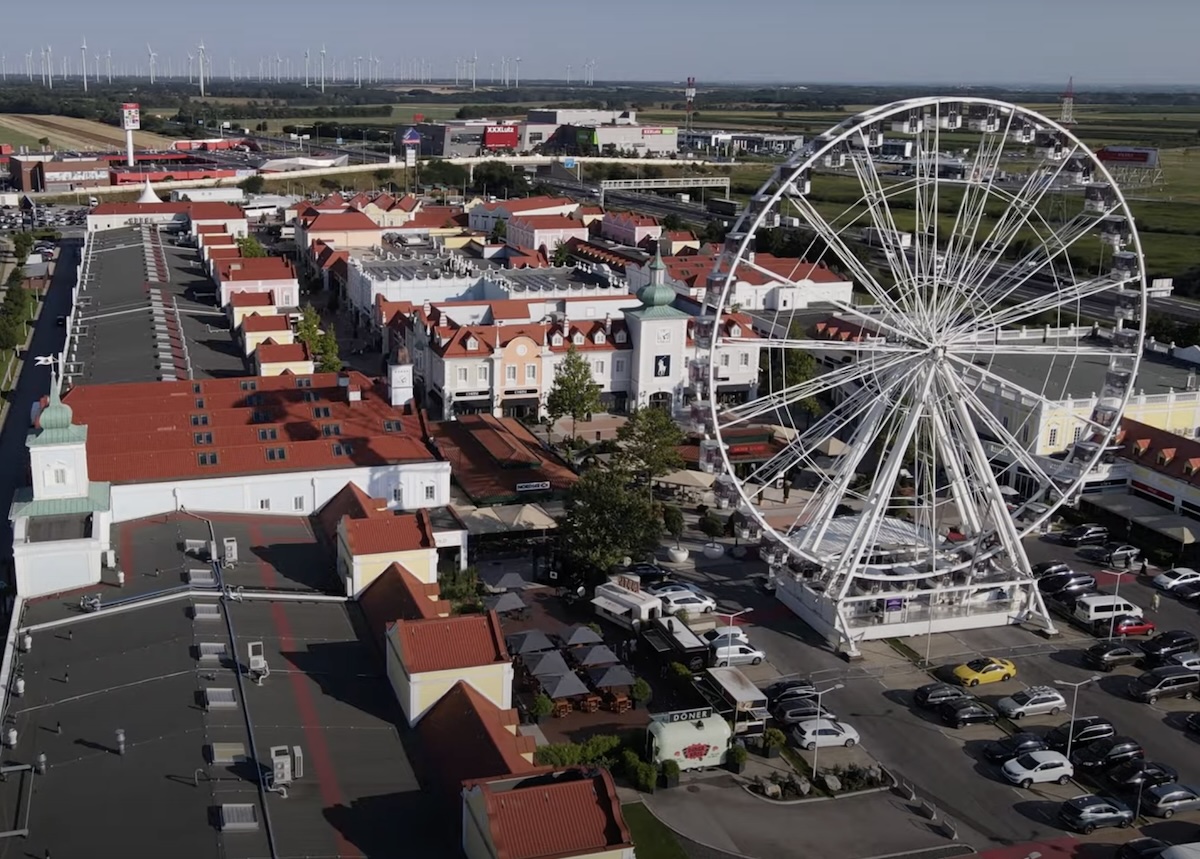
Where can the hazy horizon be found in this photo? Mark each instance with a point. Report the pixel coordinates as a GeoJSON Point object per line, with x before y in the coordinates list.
{"type": "Point", "coordinates": [1020, 43]}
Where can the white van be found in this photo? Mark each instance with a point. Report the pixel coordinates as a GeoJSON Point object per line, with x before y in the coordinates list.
{"type": "Point", "coordinates": [1101, 608]}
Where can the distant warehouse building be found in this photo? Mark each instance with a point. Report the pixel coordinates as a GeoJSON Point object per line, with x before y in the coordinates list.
{"type": "Point", "coordinates": [465, 138]}
{"type": "Point", "coordinates": [616, 140]}
{"type": "Point", "coordinates": [49, 172]}
{"type": "Point", "coordinates": [571, 116]}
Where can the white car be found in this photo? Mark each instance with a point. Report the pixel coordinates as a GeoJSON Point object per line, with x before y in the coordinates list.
{"type": "Point", "coordinates": [1168, 580]}
{"type": "Point", "coordinates": [1032, 702]}
{"type": "Point", "coordinates": [824, 732]}
{"type": "Point", "coordinates": [689, 602]}
{"type": "Point", "coordinates": [1038, 768]}
{"type": "Point", "coordinates": [1190, 660]}
{"type": "Point", "coordinates": [737, 654]}
{"type": "Point", "coordinates": [673, 588]}
{"type": "Point", "coordinates": [725, 635]}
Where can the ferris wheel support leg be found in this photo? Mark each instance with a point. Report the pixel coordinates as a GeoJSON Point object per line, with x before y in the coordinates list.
{"type": "Point", "coordinates": [1037, 614]}
{"type": "Point", "coordinates": [847, 646]}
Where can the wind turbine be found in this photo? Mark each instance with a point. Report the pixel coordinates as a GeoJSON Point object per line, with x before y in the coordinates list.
{"type": "Point", "coordinates": [49, 68]}
{"type": "Point", "coordinates": [83, 62]}
{"type": "Point", "coordinates": [3, 66]}
{"type": "Point", "coordinates": [474, 64]}
{"type": "Point", "coordinates": [153, 62]}
{"type": "Point", "coordinates": [191, 58]}
{"type": "Point", "coordinates": [306, 68]}
{"type": "Point", "coordinates": [29, 65]}
{"type": "Point", "coordinates": [322, 70]}
{"type": "Point", "coordinates": [517, 79]}
{"type": "Point", "coordinates": [201, 57]}
{"type": "Point", "coordinates": [110, 65]}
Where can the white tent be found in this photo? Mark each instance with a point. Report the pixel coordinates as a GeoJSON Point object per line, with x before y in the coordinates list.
{"type": "Point", "coordinates": [148, 195]}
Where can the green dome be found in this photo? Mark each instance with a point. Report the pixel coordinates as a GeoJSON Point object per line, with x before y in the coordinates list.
{"type": "Point", "coordinates": [656, 295]}
{"type": "Point", "coordinates": [57, 414]}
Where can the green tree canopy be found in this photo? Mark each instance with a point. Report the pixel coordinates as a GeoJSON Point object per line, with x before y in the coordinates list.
{"type": "Point", "coordinates": [649, 445]}
{"type": "Point", "coordinates": [574, 392]}
{"type": "Point", "coordinates": [326, 355]}
{"type": "Point", "coordinates": [251, 247]}
{"type": "Point", "coordinates": [500, 179]}
{"type": "Point", "coordinates": [562, 255]}
{"type": "Point", "coordinates": [252, 184]}
{"type": "Point", "coordinates": [784, 368]}
{"type": "Point", "coordinates": [671, 221]}
{"type": "Point", "coordinates": [499, 230]}
{"type": "Point", "coordinates": [673, 522]}
{"type": "Point", "coordinates": [605, 521]}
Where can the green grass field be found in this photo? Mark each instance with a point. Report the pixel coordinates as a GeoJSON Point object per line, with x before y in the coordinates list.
{"type": "Point", "coordinates": [651, 838]}
{"type": "Point", "coordinates": [17, 139]}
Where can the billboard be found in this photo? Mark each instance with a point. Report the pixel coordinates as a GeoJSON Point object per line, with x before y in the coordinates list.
{"type": "Point", "coordinates": [649, 132]}
{"type": "Point", "coordinates": [131, 117]}
{"type": "Point", "coordinates": [1129, 156]}
{"type": "Point", "coordinates": [501, 137]}
{"type": "Point", "coordinates": [410, 156]}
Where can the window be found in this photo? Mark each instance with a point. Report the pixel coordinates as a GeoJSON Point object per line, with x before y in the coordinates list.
{"type": "Point", "coordinates": [398, 495]}
{"type": "Point", "coordinates": [556, 340]}
{"type": "Point", "coordinates": [60, 476]}
{"type": "Point", "coordinates": [303, 382]}
{"type": "Point", "coordinates": [310, 397]}
{"type": "Point", "coordinates": [531, 372]}
{"type": "Point", "coordinates": [392, 426]}
{"type": "Point", "coordinates": [195, 387]}
{"type": "Point", "coordinates": [620, 336]}
{"type": "Point", "coordinates": [199, 402]}
{"type": "Point", "coordinates": [430, 493]}
{"type": "Point", "coordinates": [298, 502]}
{"type": "Point", "coordinates": [462, 375]}
{"type": "Point", "coordinates": [472, 344]}
{"type": "Point", "coordinates": [510, 373]}
{"type": "Point", "coordinates": [331, 429]}
{"type": "Point", "coordinates": [600, 367]}
{"type": "Point", "coordinates": [254, 400]}
{"type": "Point", "coordinates": [207, 459]}
{"type": "Point", "coordinates": [1053, 439]}
{"type": "Point", "coordinates": [724, 359]}
{"type": "Point", "coordinates": [321, 412]}
{"type": "Point", "coordinates": [260, 416]}
{"type": "Point", "coordinates": [481, 373]}
{"type": "Point", "coordinates": [202, 438]}
{"type": "Point", "coordinates": [1024, 433]}
{"type": "Point", "coordinates": [343, 449]}
{"type": "Point", "coordinates": [599, 338]}
{"type": "Point", "coordinates": [276, 454]}
{"type": "Point", "coordinates": [250, 386]}
{"type": "Point", "coordinates": [268, 434]}
{"type": "Point", "coordinates": [744, 359]}
{"type": "Point", "coordinates": [577, 339]}
{"type": "Point", "coordinates": [619, 366]}
{"type": "Point", "coordinates": [199, 420]}
{"type": "Point", "coordinates": [264, 504]}
{"type": "Point", "coordinates": [1076, 433]}
{"type": "Point", "coordinates": [735, 331]}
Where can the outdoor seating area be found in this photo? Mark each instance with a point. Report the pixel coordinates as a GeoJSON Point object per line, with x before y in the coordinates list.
{"type": "Point", "coordinates": [575, 669]}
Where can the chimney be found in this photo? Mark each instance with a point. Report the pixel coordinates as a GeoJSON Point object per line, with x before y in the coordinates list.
{"type": "Point", "coordinates": [608, 323]}
{"type": "Point", "coordinates": [354, 394]}
{"type": "Point", "coordinates": [344, 385]}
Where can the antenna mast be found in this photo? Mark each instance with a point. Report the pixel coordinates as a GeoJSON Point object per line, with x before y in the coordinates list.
{"type": "Point", "coordinates": [689, 94]}
{"type": "Point", "coordinates": [1067, 117]}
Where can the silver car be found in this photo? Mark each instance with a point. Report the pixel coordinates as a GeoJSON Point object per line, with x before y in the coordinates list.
{"type": "Point", "coordinates": [1166, 799]}
{"type": "Point", "coordinates": [1033, 701]}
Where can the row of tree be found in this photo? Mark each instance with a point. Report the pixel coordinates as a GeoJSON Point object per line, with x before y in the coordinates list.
{"type": "Point", "coordinates": [322, 345]}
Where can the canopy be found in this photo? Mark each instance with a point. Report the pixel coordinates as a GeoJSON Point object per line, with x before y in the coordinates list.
{"type": "Point", "coordinates": [595, 655]}
{"type": "Point", "coordinates": [1181, 529]}
{"type": "Point", "coordinates": [481, 520]}
{"type": "Point", "coordinates": [546, 664]}
{"type": "Point", "coordinates": [688, 478]}
{"type": "Point", "coordinates": [505, 602]}
{"type": "Point", "coordinates": [526, 517]}
{"type": "Point", "coordinates": [562, 685]}
{"type": "Point", "coordinates": [610, 606]}
{"type": "Point", "coordinates": [148, 195]}
{"type": "Point", "coordinates": [613, 675]}
{"type": "Point", "coordinates": [499, 580]}
{"type": "Point", "coordinates": [574, 636]}
{"type": "Point", "coordinates": [531, 641]}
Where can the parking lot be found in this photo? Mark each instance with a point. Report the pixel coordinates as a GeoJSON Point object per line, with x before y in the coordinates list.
{"type": "Point", "coordinates": [945, 764]}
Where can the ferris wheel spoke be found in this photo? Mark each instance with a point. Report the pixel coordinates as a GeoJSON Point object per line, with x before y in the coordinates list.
{"type": "Point", "coordinates": [947, 442]}
{"type": "Point", "coordinates": [872, 345]}
{"type": "Point", "coordinates": [1000, 318]}
{"type": "Point", "coordinates": [1049, 350]}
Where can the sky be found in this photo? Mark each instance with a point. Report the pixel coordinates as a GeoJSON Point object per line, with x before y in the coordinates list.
{"type": "Point", "coordinates": [1098, 42]}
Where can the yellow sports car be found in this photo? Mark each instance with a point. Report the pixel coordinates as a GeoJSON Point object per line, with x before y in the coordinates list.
{"type": "Point", "coordinates": [986, 669]}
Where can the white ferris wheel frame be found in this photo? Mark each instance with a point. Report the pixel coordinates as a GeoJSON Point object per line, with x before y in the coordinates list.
{"type": "Point", "coordinates": [807, 161]}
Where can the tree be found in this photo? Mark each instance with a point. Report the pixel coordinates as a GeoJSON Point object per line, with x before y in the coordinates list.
{"type": "Point", "coordinates": [574, 392]}
{"type": "Point", "coordinates": [671, 221]}
{"type": "Point", "coordinates": [326, 356]}
{"type": "Point", "coordinates": [499, 230]}
{"type": "Point", "coordinates": [784, 368]}
{"type": "Point", "coordinates": [649, 445]}
{"type": "Point", "coordinates": [562, 255]}
{"type": "Point", "coordinates": [12, 333]}
{"type": "Point", "coordinates": [252, 184]}
{"type": "Point", "coordinates": [43, 142]}
{"type": "Point", "coordinates": [383, 176]}
{"type": "Point", "coordinates": [499, 179]}
{"type": "Point", "coordinates": [673, 522]}
{"type": "Point", "coordinates": [251, 247]}
{"type": "Point", "coordinates": [308, 329]}
{"type": "Point", "coordinates": [735, 521]}
{"type": "Point", "coordinates": [22, 245]}
{"type": "Point", "coordinates": [711, 525]}
{"type": "Point", "coordinates": [605, 521]}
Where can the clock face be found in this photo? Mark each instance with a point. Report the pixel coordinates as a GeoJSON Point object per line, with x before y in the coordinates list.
{"type": "Point", "coordinates": [664, 335]}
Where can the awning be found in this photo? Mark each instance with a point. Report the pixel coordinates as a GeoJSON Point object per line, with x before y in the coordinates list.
{"type": "Point", "coordinates": [1146, 513]}
{"type": "Point", "coordinates": [688, 478]}
{"type": "Point", "coordinates": [610, 606]}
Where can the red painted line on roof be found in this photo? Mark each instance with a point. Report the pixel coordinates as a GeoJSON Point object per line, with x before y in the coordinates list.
{"type": "Point", "coordinates": [317, 750]}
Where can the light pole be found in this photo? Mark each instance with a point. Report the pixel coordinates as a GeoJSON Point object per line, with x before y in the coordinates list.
{"type": "Point", "coordinates": [1112, 621]}
{"type": "Point", "coordinates": [1074, 704]}
{"type": "Point", "coordinates": [817, 742]}
{"type": "Point", "coordinates": [731, 615]}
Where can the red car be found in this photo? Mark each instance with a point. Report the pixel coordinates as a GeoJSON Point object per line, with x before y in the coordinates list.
{"type": "Point", "coordinates": [1129, 625]}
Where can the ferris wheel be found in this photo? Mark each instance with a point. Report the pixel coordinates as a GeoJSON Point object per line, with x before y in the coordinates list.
{"type": "Point", "coordinates": [983, 295]}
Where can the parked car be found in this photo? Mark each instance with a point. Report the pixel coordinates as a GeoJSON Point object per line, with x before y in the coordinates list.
{"type": "Point", "coordinates": [674, 603]}
{"type": "Point", "coordinates": [1107, 655]}
{"type": "Point", "coordinates": [1170, 579]}
{"type": "Point", "coordinates": [1050, 568]}
{"type": "Point", "coordinates": [1081, 732]}
{"type": "Point", "coordinates": [1004, 750]}
{"type": "Point", "coordinates": [737, 654]}
{"type": "Point", "coordinates": [824, 732]}
{"type": "Point", "coordinates": [1188, 592]}
{"type": "Point", "coordinates": [1168, 643]}
{"type": "Point", "coordinates": [1127, 624]}
{"type": "Point", "coordinates": [797, 686]}
{"type": "Point", "coordinates": [1032, 702]}
{"type": "Point", "coordinates": [1111, 554]}
{"type": "Point", "coordinates": [1166, 681]}
{"type": "Point", "coordinates": [1090, 812]}
{"type": "Point", "coordinates": [1085, 535]}
{"type": "Point", "coordinates": [1165, 800]}
{"type": "Point", "coordinates": [1038, 768]}
{"type": "Point", "coordinates": [1142, 848]}
{"type": "Point", "coordinates": [733, 633]}
{"type": "Point", "coordinates": [669, 587]}
{"type": "Point", "coordinates": [1104, 754]}
{"type": "Point", "coordinates": [933, 695]}
{"type": "Point", "coordinates": [649, 574]}
{"type": "Point", "coordinates": [986, 669]}
{"type": "Point", "coordinates": [1139, 774]}
{"type": "Point", "coordinates": [1190, 660]}
{"type": "Point", "coordinates": [1062, 585]}
{"type": "Point", "coordinates": [722, 641]}
{"type": "Point", "coordinates": [966, 711]}
{"type": "Point", "coordinates": [1192, 723]}
{"type": "Point", "coordinates": [793, 711]}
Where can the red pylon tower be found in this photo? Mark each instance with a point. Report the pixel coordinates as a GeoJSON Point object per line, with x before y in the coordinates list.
{"type": "Point", "coordinates": [689, 94]}
{"type": "Point", "coordinates": [1067, 117]}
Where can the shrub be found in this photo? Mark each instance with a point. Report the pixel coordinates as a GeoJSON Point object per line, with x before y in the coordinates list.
{"type": "Point", "coordinates": [647, 777]}
{"type": "Point", "coordinates": [542, 705]}
{"type": "Point", "coordinates": [670, 769]}
{"type": "Point", "coordinates": [558, 755]}
{"type": "Point", "coordinates": [680, 671]}
{"type": "Point", "coordinates": [736, 755]}
{"type": "Point", "coordinates": [597, 749]}
{"type": "Point", "coordinates": [641, 691]}
{"type": "Point", "coordinates": [593, 750]}
{"type": "Point", "coordinates": [773, 738]}
{"type": "Point", "coordinates": [630, 763]}
{"type": "Point", "coordinates": [711, 526]}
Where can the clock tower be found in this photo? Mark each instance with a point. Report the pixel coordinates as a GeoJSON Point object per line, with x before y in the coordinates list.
{"type": "Point", "coordinates": [659, 334]}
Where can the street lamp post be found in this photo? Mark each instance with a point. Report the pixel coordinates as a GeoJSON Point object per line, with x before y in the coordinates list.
{"type": "Point", "coordinates": [1074, 704]}
{"type": "Point", "coordinates": [817, 742]}
{"type": "Point", "coordinates": [1112, 622]}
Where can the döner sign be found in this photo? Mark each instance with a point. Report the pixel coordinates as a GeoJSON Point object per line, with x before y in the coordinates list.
{"type": "Point", "coordinates": [536, 486]}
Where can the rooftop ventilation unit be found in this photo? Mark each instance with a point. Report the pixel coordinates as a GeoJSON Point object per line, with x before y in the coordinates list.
{"type": "Point", "coordinates": [211, 652]}
{"type": "Point", "coordinates": [206, 611]}
{"type": "Point", "coordinates": [219, 698]}
{"type": "Point", "coordinates": [238, 817]}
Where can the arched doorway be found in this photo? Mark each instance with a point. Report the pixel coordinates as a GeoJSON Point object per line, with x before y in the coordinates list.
{"type": "Point", "coordinates": [661, 400]}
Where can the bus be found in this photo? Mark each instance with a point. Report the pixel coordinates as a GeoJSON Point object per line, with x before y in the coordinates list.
{"type": "Point", "coordinates": [722, 206]}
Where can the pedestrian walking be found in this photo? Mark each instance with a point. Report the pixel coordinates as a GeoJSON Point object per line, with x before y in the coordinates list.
{"type": "Point", "coordinates": [1155, 600]}
{"type": "Point", "coordinates": [1143, 570]}
{"type": "Point", "coordinates": [1128, 562]}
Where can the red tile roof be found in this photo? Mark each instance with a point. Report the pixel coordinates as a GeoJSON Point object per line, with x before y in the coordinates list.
{"type": "Point", "coordinates": [528, 204]}
{"type": "Point", "coordinates": [1175, 456]}
{"type": "Point", "coordinates": [575, 813]}
{"type": "Point", "coordinates": [253, 323]}
{"type": "Point", "coordinates": [407, 203]}
{"type": "Point", "coordinates": [450, 643]}
{"type": "Point", "coordinates": [399, 595]}
{"type": "Point", "coordinates": [546, 222]}
{"type": "Point", "coordinates": [224, 253]}
{"type": "Point", "coordinates": [350, 501]}
{"type": "Point", "coordinates": [255, 268]}
{"type": "Point", "coordinates": [332, 203]}
{"type": "Point", "coordinates": [144, 432]}
{"type": "Point", "coordinates": [491, 456]}
{"type": "Point", "coordinates": [270, 352]}
{"type": "Point", "coordinates": [204, 230]}
{"type": "Point", "coordinates": [195, 211]}
{"type": "Point", "coordinates": [343, 221]}
{"type": "Point", "coordinates": [213, 240]}
{"type": "Point", "coordinates": [242, 298]}
{"type": "Point", "coordinates": [390, 532]}
{"type": "Point", "coordinates": [433, 218]}
{"type": "Point", "coordinates": [465, 736]}
{"type": "Point", "coordinates": [790, 268]}
{"type": "Point", "coordinates": [632, 219]}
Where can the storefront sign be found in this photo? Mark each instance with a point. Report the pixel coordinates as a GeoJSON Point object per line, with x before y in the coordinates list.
{"type": "Point", "coordinates": [534, 486]}
{"type": "Point", "coordinates": [630, 584]}
{"type": "Point", "coordinates": [521, 392]}
{"type": "Point", "coordinates": [131, 117]}
{"type": "Point", "coordinates": [694, 715]}
{"type": "Point", "coordinates": [662, 366]}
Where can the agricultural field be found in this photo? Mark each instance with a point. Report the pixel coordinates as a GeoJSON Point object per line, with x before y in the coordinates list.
{"type": "Point", "coordinates": [67, 132]}
{"type": "Point", "coordinates": [402, 114]}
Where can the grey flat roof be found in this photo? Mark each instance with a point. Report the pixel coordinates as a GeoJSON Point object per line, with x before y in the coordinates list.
{"type": "Point", "coordinates": [68, 526]}
{"type": "Point", "coordinates": [1084, 376]}
{"type": "Point", "coordinates": [116, 327]}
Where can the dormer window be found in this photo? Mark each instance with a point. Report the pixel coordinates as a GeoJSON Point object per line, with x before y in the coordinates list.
{"type": "Point", "coordinates": [1191, 466]}
{"type": "Point", "coordinates": [577, 339]}
{"type": "Point", "coordinates": [472, 343]}
{"type": "Point", "coordinates": [556, 340]}
{"type": "Point", "coordinates": [620, 336]}
{"type": "Point", "coordinates": [598, 338]}
{"type": "Point", "coordinates": [735, 331]}
{"type": "Point", "coordinates": [1166, 455]}
{"type": "Point", "coordinates": [1141, 446]}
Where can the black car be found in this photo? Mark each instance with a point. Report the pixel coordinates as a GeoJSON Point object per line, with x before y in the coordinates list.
{"type": "Point", "coordinates": [795, 687]}
{"type": "Point", "coordinates": [931, 696]}
{"type": "Point", "coordinates": [1014, 745]}
{"type": "Point", "coordinates": [1188, 592]}
{"type": "Point", "coordinates": [1105, 754]}
{"type": "Point", "coordinates": [1107, 655]}
{"type": "Point", "coordinates": [1085, 535]}
{"type": "Point", "coordinates": [1049, 568]}
{"type": "Point", "coordinates": [1112, 554]}
{"type": "Point", "coordinates": [1168, 643]}
{"type": "Point", "coordinates": [1142, 848]}
{"type": "Point", "coordinates": [1139, 774]}
{"type": "Point", "coordinates": [1192, 723]}
{"type": "Point", "coordinates": [1085, 729]}
{"type": "Point", "coordinates": [1062, 585]}
{"type": "Point", "coordinates": [966, 711]}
